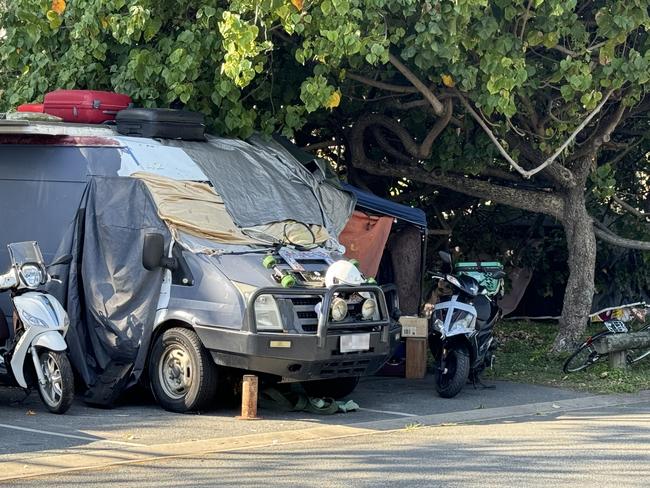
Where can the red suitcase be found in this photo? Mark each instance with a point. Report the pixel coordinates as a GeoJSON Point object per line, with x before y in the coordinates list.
{"type": "Point", "coordinates": [30, 107]}
{"type": "Point", "coordinates": [85, 106]}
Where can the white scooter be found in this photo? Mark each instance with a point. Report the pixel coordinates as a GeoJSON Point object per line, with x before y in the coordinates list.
{"type": "Point", "coordinates": [38, 330]}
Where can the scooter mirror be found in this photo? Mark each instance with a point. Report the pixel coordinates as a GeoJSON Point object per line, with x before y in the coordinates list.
{"type": "Point", "coordinates": [153, 251]}
{"type": "Point", "coordinates": [445, 256]}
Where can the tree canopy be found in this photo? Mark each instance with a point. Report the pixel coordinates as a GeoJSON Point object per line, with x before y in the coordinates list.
{"type": "Point", "coordinates": [536, 104]}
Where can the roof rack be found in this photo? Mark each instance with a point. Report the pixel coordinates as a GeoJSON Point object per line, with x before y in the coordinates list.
{"type": "Point", "coordinates": [27, 127]}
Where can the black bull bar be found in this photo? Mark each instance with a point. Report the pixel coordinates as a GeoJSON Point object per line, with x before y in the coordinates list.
{"type": "Point", "coordinates": [327, 294]}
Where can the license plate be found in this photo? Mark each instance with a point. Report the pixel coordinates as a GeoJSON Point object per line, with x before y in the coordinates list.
{"type": "Point", "coordinates": [616, 326]}
{"type": "Point", "coordinates": [355, 342]}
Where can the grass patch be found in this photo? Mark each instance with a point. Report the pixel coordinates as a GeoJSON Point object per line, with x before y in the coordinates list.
{"type": "Point", "coordinates": [523, 356]}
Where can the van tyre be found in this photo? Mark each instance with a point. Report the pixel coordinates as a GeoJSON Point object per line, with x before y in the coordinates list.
{"type": "Point", "coordinates": [182, 374]}
{"type": "Point", "coordinates": [450, 380]}
{"type": "Point", "coordinates": [58, 392]}
{"type": "Point", "coordinates": [336, 388]}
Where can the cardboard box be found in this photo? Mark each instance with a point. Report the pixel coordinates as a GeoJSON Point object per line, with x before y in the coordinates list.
{"type": "Point", "coordinates": [414, 326]}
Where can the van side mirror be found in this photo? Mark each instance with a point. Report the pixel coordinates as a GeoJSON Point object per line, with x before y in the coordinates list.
{"type": "Point", "coordinates": [153, 251]}
{"type": "Point", "coordinates": [499, 274]}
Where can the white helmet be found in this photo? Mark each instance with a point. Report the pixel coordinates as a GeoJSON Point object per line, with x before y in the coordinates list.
{"type": "Point", "coordinates": [343, 272]}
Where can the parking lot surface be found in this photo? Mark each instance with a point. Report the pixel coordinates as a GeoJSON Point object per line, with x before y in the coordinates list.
{"type": "Point", "coordinates": [138, 428]}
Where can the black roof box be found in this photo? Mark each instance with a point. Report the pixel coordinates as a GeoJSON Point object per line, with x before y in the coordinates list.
{"type": "Point", "coordinates": [163, 123]}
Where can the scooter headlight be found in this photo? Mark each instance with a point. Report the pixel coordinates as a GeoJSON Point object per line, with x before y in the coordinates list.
{"type": "Point", "coordinates": [31, 319]}
{"type": "Point", "coordinates": [368, 309]}
{"type": "Point", "coordinates": [438, 325]}
{"type": "Point", "coordinates": [465, 322]}
{"type": "Point", "coordinates": [339, 309]}
{"type": "Point", "coordinates": [32, 275]}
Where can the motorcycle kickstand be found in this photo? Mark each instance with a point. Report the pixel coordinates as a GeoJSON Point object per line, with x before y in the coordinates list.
{"type": "Point", "coordinates": [27, 392]}
{"type": "Point", "coordinates": [476, 380]}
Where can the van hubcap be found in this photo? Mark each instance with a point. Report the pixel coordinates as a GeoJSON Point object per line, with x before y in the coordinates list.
{"type": "Point", "coordinates": [175, 371]}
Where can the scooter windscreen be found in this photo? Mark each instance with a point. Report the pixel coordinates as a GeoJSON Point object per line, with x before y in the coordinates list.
{"type": "Point", "coordinates": [450, 320]}
{"type": "Point", "coordinates": [27, 259]}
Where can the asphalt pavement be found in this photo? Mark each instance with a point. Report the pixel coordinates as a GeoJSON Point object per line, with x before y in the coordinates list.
{"type": "Point", "coordinates": [395, 412]}
{"type": "Point", "coordinates": [140, 421]}
{"type": "Point", "coordinates": [597, 447]}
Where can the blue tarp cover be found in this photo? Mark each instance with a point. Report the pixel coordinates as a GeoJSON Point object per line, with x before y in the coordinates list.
{"type": "Point", "coordinates": [381, 205]}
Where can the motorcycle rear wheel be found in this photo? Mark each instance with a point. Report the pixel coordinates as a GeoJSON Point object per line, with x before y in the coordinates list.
{"type": "Point", "coordinates": [451, 379]}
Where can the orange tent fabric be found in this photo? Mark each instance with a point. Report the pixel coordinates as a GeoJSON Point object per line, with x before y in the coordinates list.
{"type": "Point", "coordinates": [364, 238]}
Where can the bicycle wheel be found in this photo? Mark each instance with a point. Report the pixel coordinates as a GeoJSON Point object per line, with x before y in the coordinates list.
{"type": "Point", "coordinates": [634, 356]}
{"type": "Point", "coordinates": [585, 355]}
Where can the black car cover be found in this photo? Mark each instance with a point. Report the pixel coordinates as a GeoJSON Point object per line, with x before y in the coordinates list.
{"type": "Point", "coordinates": [110, 297]}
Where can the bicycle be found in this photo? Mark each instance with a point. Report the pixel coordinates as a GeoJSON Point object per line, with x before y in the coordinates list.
{"type": "Point", "coordinates": [586, 355]}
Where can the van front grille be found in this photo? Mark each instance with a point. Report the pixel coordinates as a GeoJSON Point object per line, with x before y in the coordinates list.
{"type": "Point", "coordinates": [344, 367]}
{"type": "Point", "coordinates": [305, 318]}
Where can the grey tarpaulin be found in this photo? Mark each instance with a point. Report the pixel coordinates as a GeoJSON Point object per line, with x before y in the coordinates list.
{"type": "Point", "coordinates": [337, 204]}
{"type": "Point", "coordinates": [262, 183]}
{"type": "Point", "coordinates": [110, 298]}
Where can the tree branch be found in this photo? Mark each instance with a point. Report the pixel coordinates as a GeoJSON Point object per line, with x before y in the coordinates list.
{"type": "Point", "coordinates": [382, 85]}
{"type": "Point", "coordinates": [415, 150]}
{"type": "Point", "coordinates": [629, 208]}
{"type": "Point", "coordinates": [531, 200]}
{"type": "Point", "coordinates": [529, 173]}
{"type": "Point", "coordinates": [557, 173]}
{"type": "Point", "coordinates": [602, 135]}
{"type": "Point", "coordinates": [388, 148]}
{"type": "Point", "coordinates": [438, 108]}
{"type": "Point", "coordinates": [566, 51]}
{"type": "Point", "coordinates": [500, 174]}
{"type": "Point", "coordinates": [321, 145]}
{"type": "Point", "coordinates": [611, 238]}
{"type": "Point", "coordinates": [436, 130]}
{"type": "Point", "coordinates": [421, 103]}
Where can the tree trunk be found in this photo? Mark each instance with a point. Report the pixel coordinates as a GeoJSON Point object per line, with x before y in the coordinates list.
{"type": "Point", "coordinates": [405, 248]}
{"type": "Point", "coordinates": [578, 296]}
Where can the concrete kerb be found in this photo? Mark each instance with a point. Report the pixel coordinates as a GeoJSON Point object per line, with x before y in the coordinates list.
{"type": "Point", "coordinates": [96, 457]}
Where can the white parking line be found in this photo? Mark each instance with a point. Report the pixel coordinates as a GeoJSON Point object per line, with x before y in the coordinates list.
{"type": "Point", "coordinates": [71, 436]}
{"type": "Point", "coordinates": [401, 414]}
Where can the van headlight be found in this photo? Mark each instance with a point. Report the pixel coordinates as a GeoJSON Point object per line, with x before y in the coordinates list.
{"type": "Point", "coordinates": [31, 275]}
{"type": "Point", "coordinates": [267, 313]}
{"type": "Point", "coordinates": [368, 309]}
{"type": "Point", "coordinates": [339, 309]}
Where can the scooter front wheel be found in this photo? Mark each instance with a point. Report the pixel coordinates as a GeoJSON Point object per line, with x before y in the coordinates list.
{"type": "Point", "coordinates": [451, 375]}
{"type": "Point", "coordinates": [58, 391]}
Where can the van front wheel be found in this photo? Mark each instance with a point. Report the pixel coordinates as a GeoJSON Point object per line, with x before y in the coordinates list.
{"type": "Point", "coordinates": [182, 375]}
